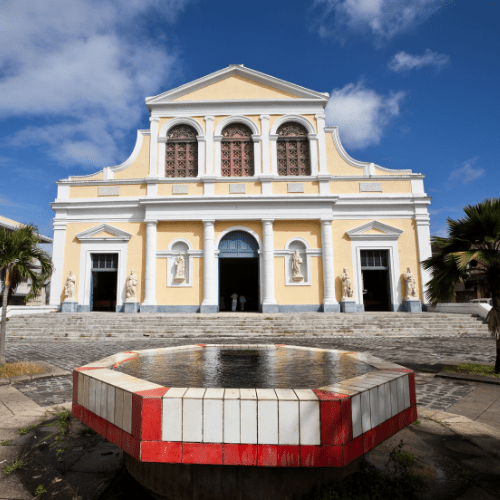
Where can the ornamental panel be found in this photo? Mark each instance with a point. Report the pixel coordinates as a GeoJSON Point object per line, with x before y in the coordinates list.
{"type": "Point", "coordinates": [182, 152]}
{"type": "Point", "coordinates": [237, 151]}
{"type": "Point", "coordinates": [293, 150]}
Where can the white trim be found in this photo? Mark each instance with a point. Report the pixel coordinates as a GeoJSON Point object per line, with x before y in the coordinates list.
{"type": "Point", "coordinates": [305, 269]}
{"type": "Point", "coordinates": [238, 228]}
{"type": "Point", "coordinates": [89, 247]}
{"type": "Point", "coordinates": [388, 241]}
{"type": "Point", "coordinates": [368, 167]}
{"type": "Point", "coordinates": [293, 118]}
{"type": "Point", "coordinates": [236, 69]}
{"type": "Point", "coordinates": [91, 234]}
{"type": "Point", "coordinates": [236, 119]}
{"type": "Point", "coordinates": [171, 255]}
{"type": "Point", "coordinates": [58, 246]}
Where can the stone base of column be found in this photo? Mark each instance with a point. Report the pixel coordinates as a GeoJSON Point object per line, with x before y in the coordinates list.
{"type": "Point", "coordinates": [209, 308]}
{"type": "Point", "coordinates": [270, 308]}
{"type": "Point", "coordinates": [412, 306]}
{"type": "Point", "coordinates": [331, 308]}
{"type": "Point", "coordinates": [131, 307]}
{"type": "Point", "coordinates": [148, 308]}
{"type": "Point", "coordinates": [69, 307]}
{"type": "Point", "coordinates": [348, 306]}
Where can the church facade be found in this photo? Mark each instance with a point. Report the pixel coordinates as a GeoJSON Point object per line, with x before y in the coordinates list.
{"type": "Point", "coordinates": [238, 191]}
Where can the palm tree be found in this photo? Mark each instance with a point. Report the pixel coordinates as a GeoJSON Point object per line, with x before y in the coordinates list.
{"type": "Point", "coordinates": [21, 259]}
{"type": "Point", "coordinates": [473, 242]}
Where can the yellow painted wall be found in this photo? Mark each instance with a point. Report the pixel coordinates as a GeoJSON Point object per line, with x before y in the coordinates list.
{"type": "Point", "coordinates": [306, 294]}
{"type": "Point", "coordinates": [352, 187]}
{"type": "Point", "coordinates": [407, 245]}
{"type": "Point", "coordinates": [222, 188]}
{"type": "Point", "coordinates": [235, 87]}
{"type": "Point", "coordinates": [104, 234]}
{"type": "Point", "coordinates": [193, 189]}
{"type": "Point", "coordinates": [336, 165]}
{"type": "Point", "coordinates": [92, 191]}
{"type": "Point", "coordinates": [135, 253]}
{"type": "Point", "coordinates": [309, 187]}
{"type": "Point", "coordinates": [284, 230]}
{"type": "Point", "coordinates": [379, 171]}
{"type": "Point", "coordinates": [166, 233]}
{"type": "Point", "coordinates": [140, 168]}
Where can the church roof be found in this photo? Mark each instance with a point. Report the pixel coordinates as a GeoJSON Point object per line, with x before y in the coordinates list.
{"type": "Point", "coordinates": [6, 223]}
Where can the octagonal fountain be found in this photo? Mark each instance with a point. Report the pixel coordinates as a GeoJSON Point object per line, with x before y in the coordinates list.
{"type": "Point", "coordinates": [243, 421]}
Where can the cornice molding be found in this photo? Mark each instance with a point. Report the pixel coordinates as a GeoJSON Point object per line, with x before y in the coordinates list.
{"type": "Point", "coordinates": [388, 232]}
{"type": "Point", "coordinates": [91, 234]}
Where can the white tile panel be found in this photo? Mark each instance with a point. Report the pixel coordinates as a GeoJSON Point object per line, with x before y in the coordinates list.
{"type": "Point", "coordinates": [266, 394]}
{"type": "Point", "coordinates": [401, 394]}
{"type": "Point", "coordinates": [286, 394]}
{"type": "Point", "coordinates": [356, 415]}
{"type": "Point", "coordinates": [175, 392]}
{"type": "Point", "coordinates": [103, 400]}
{"type": "Point", "coordinates": [374, 408]}
{"type": "Point", "coordinates": [171, 426]}
{"type": "Point", "coordinates": [394, 397]}
{"type": "Point", "coordinates": [248, 394]}
{"type": "Point", "coordinates": [231, 394]}
{"type": "Point", "coordinates": [192, 419]}
{"type": "Point", "coordinates": [310, 424]}
{"type": "Point", "coordinates": [232, 421]}
{"type": "Point", "coordinates": [365, 411]}
{"type": "Point", "coordinates": [110, 403]}
{"type": "Point", "coordinates": [79, 396]}
{"type": "Point", "coordinates": [92, 385]}
{"type": "Point", "coordinates": [267, 421]}
{"type": "Point", "coordinates": [288, 420]}
{"type": "Point", "coordinates": [127, 412]}
{"type": "Point", "coordinates": [388, 403]}
{"type": "Point", "coordinates": [119, 408]}
{"type": "Point", "coordinates": [406, 390]}
{"type": "Point", "coordinates": [194, 393]}
{"type": "Point", "coordinates": [306, 395]}
{"type": "Point", "coordinates": [212, 420]}
{"type": "Point", "coordinates": [381, 404]}
{"type": "Point", "coordinates": [248, 430]}
{"type": "Point", "coordinates": [214, 393]}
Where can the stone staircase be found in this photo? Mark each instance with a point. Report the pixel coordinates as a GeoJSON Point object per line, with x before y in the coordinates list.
{"type": "Point", "coordinates": [231, 325]}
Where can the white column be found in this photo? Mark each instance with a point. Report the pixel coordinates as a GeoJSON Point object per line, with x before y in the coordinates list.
{"type": "Point", "coordinates": [266, 166]}
{"type": "Point", "coordinates": [209, 136]}
{"type": "Point", "coordinates": [153, 148]}
{"type": "Point", "coordinates": [58, 260]}
{"type": "Point", "coordinates": [313, 149]}
{"type": "Point", "coordinates": [320, 120]}
{"type": "Point", "coordinates": [269, 304]}
{"type": "Point", "coordinates": [149, 304]}
{"type": "Point", "coordinates": [210, 281]}
{"type": "Point", "coordinates": [273, 142]}
{"type": "Point", "coordinates": [201, 155]}
{"type": "Point", "coordinates": [330, 303]}
{"type": "Point", "coordinates": [424, 249]}
{"type": "Point", "coordinates": [256, 154]}
{"type": "Point", "coordinates": [217, 166]}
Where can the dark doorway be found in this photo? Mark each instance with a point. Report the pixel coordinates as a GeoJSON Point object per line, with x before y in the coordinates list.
{"type": "Point", "coordinates": [239, 271]}
{"type": "Point", "coordinates": [375, 278]}
{"type": "Point", "coordinates": [104, 281]}
{"type": "Point", "coordinates": [240, 276]}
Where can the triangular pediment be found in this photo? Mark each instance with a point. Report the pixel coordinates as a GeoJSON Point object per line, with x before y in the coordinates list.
{"type": "Point", "coordinates": [375, 230]}
{"type": "Point", "coordinates": [236, 83]}
{"type": "Point", "coordinates": [104, 232]}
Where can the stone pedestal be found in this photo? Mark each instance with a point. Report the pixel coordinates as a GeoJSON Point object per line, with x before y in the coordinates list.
{"type": "Point", "coordinates": [208, 308]}
{"type": "Point", "coordinates": [348, 306]}
{"type": "Point", "coordinates": [270, 308]}
{"type": "Point", "coordinates": [146, 308]}
{"type": "Point", "coordinates": [331, 308]}
{"type": "Point", "coordinates": [131, 307]}
{"type": "Point", "coordinates": [412, 306]}
{"type": "Point", "coordinates": [69, 307]}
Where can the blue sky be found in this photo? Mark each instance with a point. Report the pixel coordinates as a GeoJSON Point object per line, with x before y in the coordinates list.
{"type": "Point", "coordinates": [413, 84]}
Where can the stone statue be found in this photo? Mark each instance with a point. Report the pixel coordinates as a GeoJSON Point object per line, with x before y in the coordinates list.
{"type": "Point", "coordinates": [70, 288]}
{"type": "Point", "coordinates": [411, 285]}
{"type": "Point", "coordinates": [346, 285]}
{"type": "Point", "coordinates": [296, 262]}
{"type": "Point", "coordinates": [179, 274]}
{"type": "Point", "coordinates": [130, 287]}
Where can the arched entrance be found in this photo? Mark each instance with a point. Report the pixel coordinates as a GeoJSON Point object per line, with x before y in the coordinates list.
{"type": "Point", "coordinates": [239, 270]}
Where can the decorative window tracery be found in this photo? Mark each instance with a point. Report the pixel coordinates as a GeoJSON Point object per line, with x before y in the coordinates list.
{"type": "Point", "coordinates": [182, 152]}
{"type": "Point", "coordinates": [293, 150]}
{"type": "Point", "coordinates": [237, 151]}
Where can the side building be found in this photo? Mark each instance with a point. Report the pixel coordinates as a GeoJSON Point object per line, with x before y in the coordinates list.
{"type": "Point", "coordinates": [238, 187]}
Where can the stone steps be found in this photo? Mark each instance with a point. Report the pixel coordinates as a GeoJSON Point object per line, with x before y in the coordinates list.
{"type": "Point", "coordinates": [159, 325]}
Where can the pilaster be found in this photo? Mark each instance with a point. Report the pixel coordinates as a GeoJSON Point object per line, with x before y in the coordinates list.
{"type": "Point", "coordinates": [330, 303]}
{"type": "Point", "coordinates": [269, 304]}
{"type": "Point", "coordinates": [209, 137]}
{"type": "Point", "coordinates": [149, 304]}
{"type": "Point", "coordinates": [57, 260]}
{"type": "Point", "coordinates": [153, 150]}
{"type": "Point", "coordinates": [266, 166]}
{"type": "Point", "coordinates": [210, 302]}
{"type": "Point", "coordinates": [320, 120]}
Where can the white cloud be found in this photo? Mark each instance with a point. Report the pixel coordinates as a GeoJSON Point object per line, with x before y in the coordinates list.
{"type": "Point", "coordinates": [361, 114]}
{"type": "Point", "coordinates": [7, 203]}
{"type": "Point", "coordinates": [435, 211]}
{"type": "Point", "coordinates": [381, 19]}
{"type": "Point", "coordinates": [86, 66]}
{"type": "Point", "coordinates": [466, 173]}
{"type": "Point", "coordinates": [403, 61]}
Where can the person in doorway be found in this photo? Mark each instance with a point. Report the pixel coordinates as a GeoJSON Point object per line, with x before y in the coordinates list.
{"type": "Point", "coordinates": [242, 302]}
{"type": "Point", "coordinates": [234, 302]}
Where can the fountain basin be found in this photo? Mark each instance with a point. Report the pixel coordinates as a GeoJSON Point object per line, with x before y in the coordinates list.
{"type": "Point", "coordinates": [328, 426]}
{"type": "Point", "coordinates": [211, 442]}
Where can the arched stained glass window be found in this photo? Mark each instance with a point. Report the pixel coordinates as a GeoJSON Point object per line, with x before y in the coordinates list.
{"type": "Point", "coordinates": [293, 150]}
{"type": "Point", "coordinates": [182, 152]}
{"type": "Point", "coordinates": [237, 151]}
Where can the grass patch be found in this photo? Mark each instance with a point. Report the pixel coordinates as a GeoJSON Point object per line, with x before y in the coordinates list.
{"type": "Point", "coordinates": [417, 422]}
{"type": "Point", "coordinates": [9, 370]}
{"type": "Point", "coordinates": [25, 430]}
{"type": "Point", "coordinates": [473, 369]}
{"type": "Point", "coordinates": [12, 467]}
{"type": "Point", "coordinates": [6, 443]}
{"type": "Point", "coordinates": [40, 490]}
